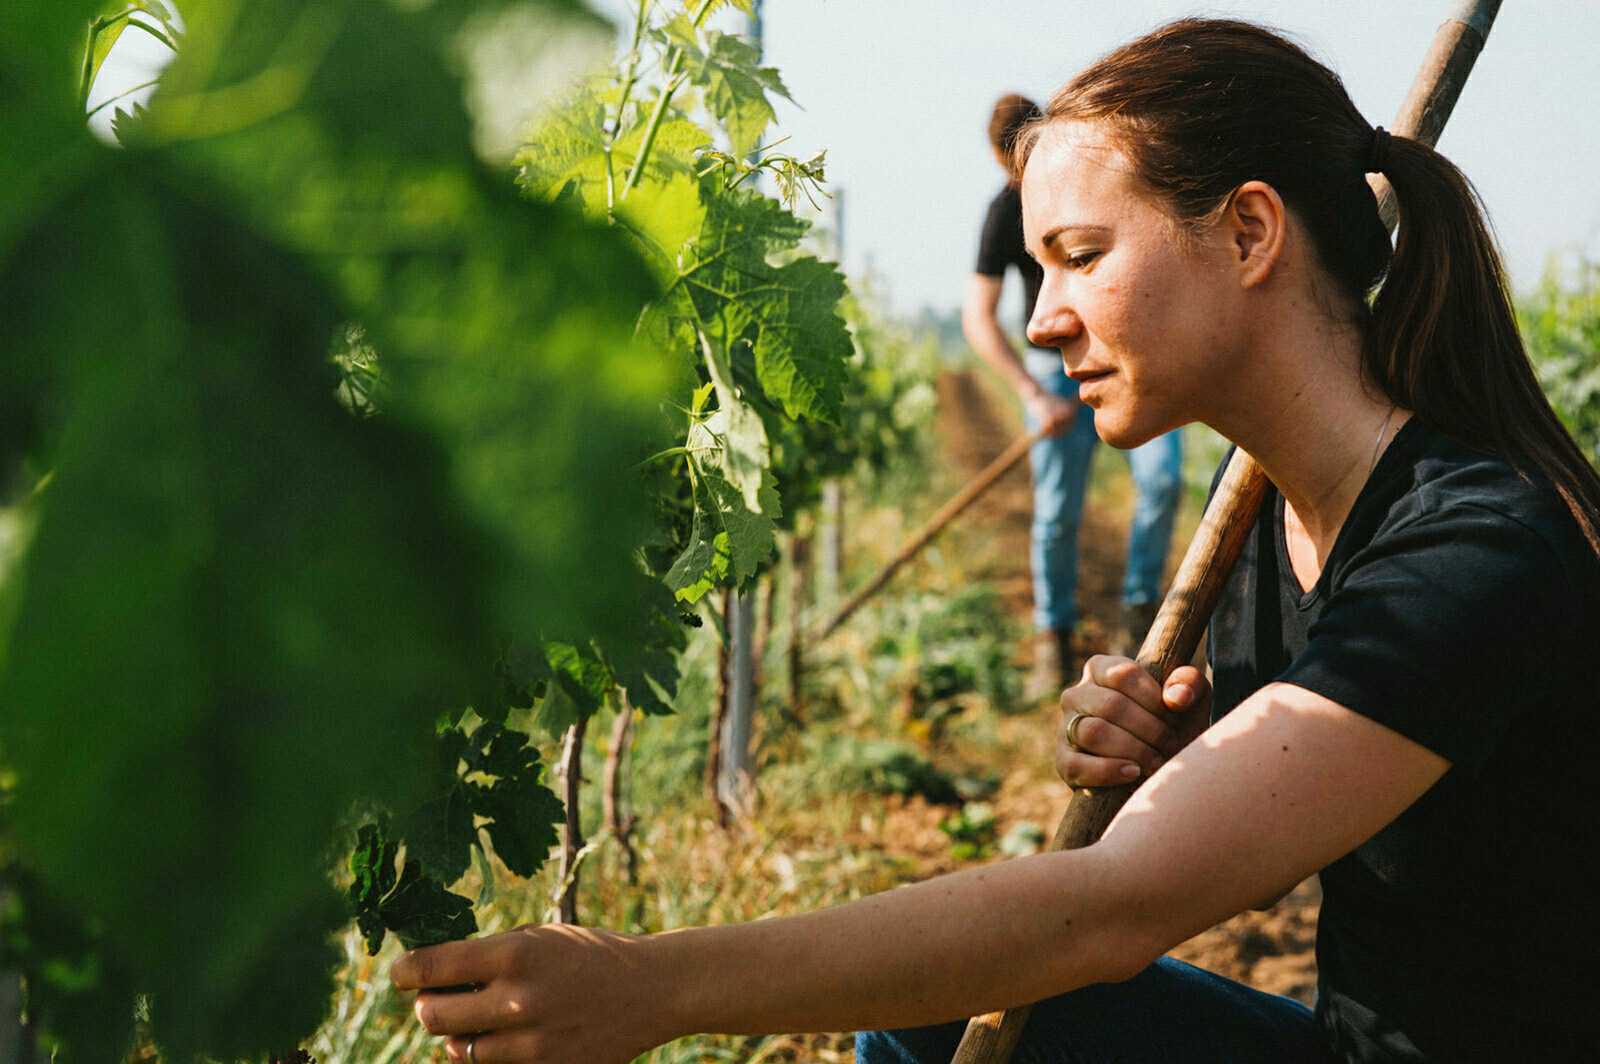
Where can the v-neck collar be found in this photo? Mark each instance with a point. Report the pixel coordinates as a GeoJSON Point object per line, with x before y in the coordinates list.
{"type": "Point", "coordinates": [1308, 597]}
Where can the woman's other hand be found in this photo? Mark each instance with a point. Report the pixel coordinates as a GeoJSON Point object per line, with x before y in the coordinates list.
{"type": "Point", "coordinates": [1118, 725]}
{"type": "Point", "coordinates": [545, 995]}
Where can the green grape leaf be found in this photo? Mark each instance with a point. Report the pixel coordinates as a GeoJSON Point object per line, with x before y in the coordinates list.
{"type": "Point", "coordinates": [520, 809]}
{"type": "Point", "coordinates": [750, 535]}
{"type": "Point", "coordinates": [578, 685]}
{"type": "Point", "coordinates": [373, 877]}
{"type": "Point", "coordinates": [523, 814]}
{"type": "Point", "coordinates": [696, 560]}
{"type": "Point", "coordinates": [735, 85]}
{"type": "Point", "coordinates": [566, 152]}
{"type": "Point", "coordinates": [730, 294]}
{"type": "Point", "coordinates": [439, 834]}
{"type": "Point", "coordinates": [737, 436]}
{"type": "Point", "coordinates": [438, 831]}
{"type": "Point", "coordinates": [558, 710]}
{"type": "Point", "coordinates": [802, 344]}
{"type": "Point", "coordinates": [664, 215]}
{"type": "Point", "coordinates": [104, 41]}
{"type": "Point", "coordinates": [422, 912]}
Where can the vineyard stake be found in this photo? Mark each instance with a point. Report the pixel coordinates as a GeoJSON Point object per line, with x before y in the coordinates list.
{"type": "Point", "coordinates": [799, 565]}
{"type": "Point", "coordinates": [572, 830]}
{"type": "Point", "coordinates": [936, 524]}
{"type": "Point", "coordinates": [719, 712]}
{"type": "Point", "coordinates": [620, 824]}
{"type": "Point", "coordinates": [1228, 520]}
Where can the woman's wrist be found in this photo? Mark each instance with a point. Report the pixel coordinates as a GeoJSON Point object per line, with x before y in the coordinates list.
{"type": "Point", "coordinates": [663, 1002]}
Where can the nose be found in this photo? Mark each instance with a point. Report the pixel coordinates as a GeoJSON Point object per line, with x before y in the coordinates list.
{"type": "Point", "coordinates": [1054, 323]}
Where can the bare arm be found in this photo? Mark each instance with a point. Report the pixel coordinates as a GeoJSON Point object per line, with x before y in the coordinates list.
{"type": "Point", "coordinates": [1285, 784]}
{"type": "Point", "coordinates": [980, 324]}
{"type": "Point", "coordinates": [981, 327]}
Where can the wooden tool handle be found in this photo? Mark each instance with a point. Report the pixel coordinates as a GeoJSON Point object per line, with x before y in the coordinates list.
{"type": "Point", "coordinates": [1228, 520]}
{"type": "Point", "coordinates": [962, 499]}
{"type": "Point", "coordinates": [1171, 642]}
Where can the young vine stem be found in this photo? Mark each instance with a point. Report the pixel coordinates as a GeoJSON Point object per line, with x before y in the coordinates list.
{"type": "Point", "coordinates": [629, 79]}
{"type": "Point", "coordinates": [675, 79]}
{"type": "Point", "coordinates": [86, 79]}
{"type": "Point", "coordinates": [103, 104]}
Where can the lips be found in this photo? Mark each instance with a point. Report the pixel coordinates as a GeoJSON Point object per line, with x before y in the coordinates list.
{"type": "Point", "coordinates": [1084, 374]}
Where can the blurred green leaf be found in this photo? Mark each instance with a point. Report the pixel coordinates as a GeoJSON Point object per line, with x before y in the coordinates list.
{"type": "Point", "coordinates": [249, 621]}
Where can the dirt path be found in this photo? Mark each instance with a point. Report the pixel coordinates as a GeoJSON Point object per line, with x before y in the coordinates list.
{"type": "Point", "coordinates": [1270, 950]}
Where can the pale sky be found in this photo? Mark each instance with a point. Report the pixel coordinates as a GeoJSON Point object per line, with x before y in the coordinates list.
{"type": "Point", "coordinates": [899, 91]}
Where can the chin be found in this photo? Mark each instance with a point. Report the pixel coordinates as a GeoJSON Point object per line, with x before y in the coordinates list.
{"type": "Point", "coordinates": [1113, 426]}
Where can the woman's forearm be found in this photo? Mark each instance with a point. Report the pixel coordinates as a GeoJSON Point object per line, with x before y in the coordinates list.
{"type": "Point", "coordinates": [955, 946]}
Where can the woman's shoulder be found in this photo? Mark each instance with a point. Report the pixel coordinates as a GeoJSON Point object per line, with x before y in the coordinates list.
{"type": "Point", "coordinates": [1442, 483]}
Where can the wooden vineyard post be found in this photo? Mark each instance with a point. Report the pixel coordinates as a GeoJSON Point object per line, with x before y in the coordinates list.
{"type": "Point", "coordinates": [1228, 520]}
{"type": "Point", "coordinates": [736, 768]}
{"type": "Point", "coordinates": [798, 586]}
{"type": "Point", "coordinates": [572, 831]}
{"type": "Point", "coordinates": [830, 570]}
{"type": "Point", "coordinates": [719, 712]}
{"type": "Point", "coordinates": [620, 824]}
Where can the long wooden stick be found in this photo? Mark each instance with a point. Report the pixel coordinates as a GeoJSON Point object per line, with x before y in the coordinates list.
{"type": "Point", "coordinates": [962, 499]}
{"type": "Point", "coordinates": [1228, 520]}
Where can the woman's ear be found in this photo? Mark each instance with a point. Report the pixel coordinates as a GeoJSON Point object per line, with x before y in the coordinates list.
{"type": "Point", "coordinates": [1256, 226]}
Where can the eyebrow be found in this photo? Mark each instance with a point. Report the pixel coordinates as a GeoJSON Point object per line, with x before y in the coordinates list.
{"type": "Point", "coordinates": [1055, 231]}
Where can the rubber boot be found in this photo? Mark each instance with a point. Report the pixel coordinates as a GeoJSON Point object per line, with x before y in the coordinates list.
{"type": "Point", "coordinates": [1052, 656]}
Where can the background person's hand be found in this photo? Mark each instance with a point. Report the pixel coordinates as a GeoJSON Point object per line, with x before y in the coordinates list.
{"type": "Point", "coordinates": [1051, 412]}
{"type": "Point", "coordinates": [546, 995]}
{"type": "Point", "coordinates": [1131, 725]}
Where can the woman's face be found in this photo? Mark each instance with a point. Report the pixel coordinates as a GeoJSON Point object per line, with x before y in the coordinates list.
{"type": "Point", "coordinates": [1144, 324]}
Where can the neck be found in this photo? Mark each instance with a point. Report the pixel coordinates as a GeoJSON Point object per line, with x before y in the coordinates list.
{"type": "Point", "coordinates": [1304, 412]}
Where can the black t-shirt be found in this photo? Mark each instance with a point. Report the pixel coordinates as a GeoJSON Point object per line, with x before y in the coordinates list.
{"type": "Point", "coordinates": [1001, 245]}
{"type": "Point", "coordinates": [1460, 606]}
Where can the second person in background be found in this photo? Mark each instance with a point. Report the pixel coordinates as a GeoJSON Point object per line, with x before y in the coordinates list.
{"type": "Point", "coordinates": [1060, 460]}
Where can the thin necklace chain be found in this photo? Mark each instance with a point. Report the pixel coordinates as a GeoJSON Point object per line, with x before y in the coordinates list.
{"type": "Point", "coordinates": [1377, 445]}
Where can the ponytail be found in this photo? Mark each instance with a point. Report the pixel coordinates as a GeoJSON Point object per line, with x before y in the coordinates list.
{"type": "Point", "coordinates": [1443, 339]}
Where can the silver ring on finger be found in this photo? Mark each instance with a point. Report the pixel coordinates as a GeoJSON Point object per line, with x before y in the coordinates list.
{"type": "Point", "coordinates": [472, 1049]}
{"type": "Point", "coordinates": [1070, 733]}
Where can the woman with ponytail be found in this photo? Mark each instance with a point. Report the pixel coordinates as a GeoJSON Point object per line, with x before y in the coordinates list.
{"type": "Point", "coordinates": [1399, 698]}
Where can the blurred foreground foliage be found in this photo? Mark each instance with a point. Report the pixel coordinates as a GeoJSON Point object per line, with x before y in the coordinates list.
{"type": "Point", "coordinates": [234, 613]}
{"type": "Point", "coordinates": [337, 471]}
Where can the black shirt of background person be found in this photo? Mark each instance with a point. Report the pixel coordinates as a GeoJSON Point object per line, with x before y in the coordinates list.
{"type": "Point", "coordinates": [1460, 607]}
{"type": "Point", "coordinates": [1001, 246]}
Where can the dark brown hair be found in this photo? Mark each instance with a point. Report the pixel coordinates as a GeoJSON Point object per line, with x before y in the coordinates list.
{"type": "Point", "coordinates": [1012, 112]}
{"type": "Point", "coordinates": [1200, 106]}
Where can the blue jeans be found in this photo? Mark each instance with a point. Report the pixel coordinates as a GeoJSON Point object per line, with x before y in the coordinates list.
{"type": "Point", "coordinates": [1060, 476]}
{"type": "Point", "coordinates": [1170, 1013]}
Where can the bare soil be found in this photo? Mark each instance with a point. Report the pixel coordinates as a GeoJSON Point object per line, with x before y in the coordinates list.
{"type": "Point", "coordinates": [1270, 950]}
